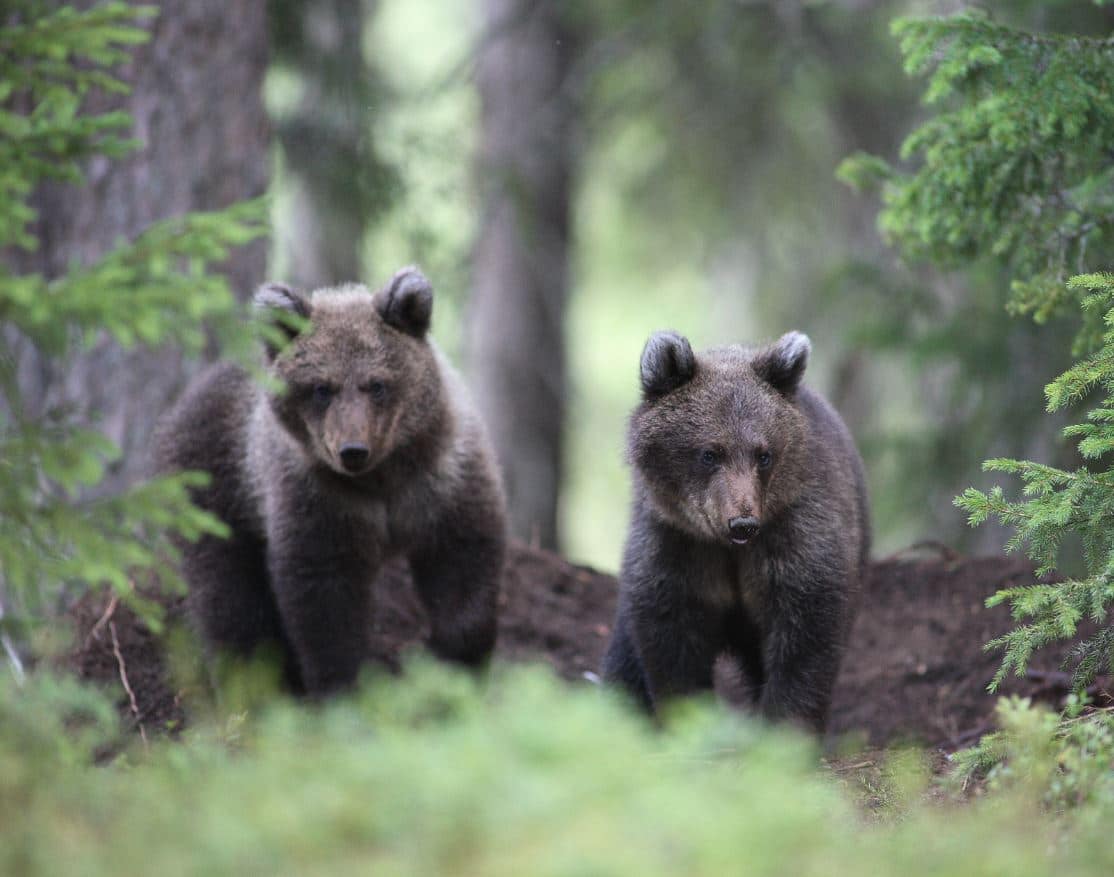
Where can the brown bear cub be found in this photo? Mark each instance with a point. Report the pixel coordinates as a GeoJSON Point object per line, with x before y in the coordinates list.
{"type": "Point", "coordinates": [749, 533]}
{"type": "Point", "coordinates": [372, 449]}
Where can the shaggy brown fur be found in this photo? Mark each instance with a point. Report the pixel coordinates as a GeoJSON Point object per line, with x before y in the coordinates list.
{"type": "Point", "coordinates": [373, 449]}
{"type": "Point", "coordinates": [749, 531]}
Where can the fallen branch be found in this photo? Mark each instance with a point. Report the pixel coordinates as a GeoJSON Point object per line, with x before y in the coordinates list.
{"type": "Point", "coordinates": [109, 611]}
{"type": "Point", "coordinates": [124, 680]}
{"type": "Point", "coordinates": [844, 768]}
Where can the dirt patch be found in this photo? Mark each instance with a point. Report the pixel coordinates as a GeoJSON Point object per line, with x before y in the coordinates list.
{"type": "Point", "coordinates": [915, 669]}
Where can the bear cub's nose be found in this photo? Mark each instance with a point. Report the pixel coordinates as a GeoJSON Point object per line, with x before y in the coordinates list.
{"type": "Point", "coordinates": [742, 530]}
{"type": "Point", "coordinates": [353, 456]}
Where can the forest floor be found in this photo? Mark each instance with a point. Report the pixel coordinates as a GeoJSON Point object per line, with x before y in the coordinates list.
{"type": "Point", "coordinates": [915, 670]}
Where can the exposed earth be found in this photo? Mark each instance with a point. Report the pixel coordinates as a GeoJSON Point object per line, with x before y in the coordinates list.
{"type": "Point", "coordinates": [915, 670]}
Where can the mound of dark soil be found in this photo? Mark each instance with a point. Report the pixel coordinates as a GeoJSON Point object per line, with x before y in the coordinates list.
{"type": "Point", "coordinates": [915, 669]}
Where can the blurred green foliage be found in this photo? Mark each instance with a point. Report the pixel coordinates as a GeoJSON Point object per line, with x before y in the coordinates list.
{"type": "Point", "coordinates": [1015, 168]}
{"type": "Point", "coordinates": [524, 775]}
{"type": "Point", "coordinates": [1065, 761]}
{"type": "Point", "coordinates": [156, 289]}
{"type": "Point", "coordinates": [425, 128]}
{"type": "Point", "coordinates": [335, 147]}
{"type": "Point", "coordinates": [329, 180]}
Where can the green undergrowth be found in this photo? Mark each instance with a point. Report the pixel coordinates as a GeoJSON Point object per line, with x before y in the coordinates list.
{"type": "Point", "coordinates": [1067, 760]}
{"type": "Point", "coordinates": [522, 774]}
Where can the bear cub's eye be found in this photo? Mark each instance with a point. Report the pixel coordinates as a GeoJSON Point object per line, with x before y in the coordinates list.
{"type": "Point", "coordinates": [710, 458]}
{"type": "Point", "coordinates": [376, 389]}
{"type": "Point", "coordinates": [322, 393]}
{"type": "Point", "coordinates": [764, 459]}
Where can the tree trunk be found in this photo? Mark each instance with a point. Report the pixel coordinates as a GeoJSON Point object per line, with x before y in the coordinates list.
{"type": "Point", "coordinates": [198, 116]}
{"type": "Point", "coordinates": [520, 283]}
{"type": "Point", "coordinates": [336, 183]}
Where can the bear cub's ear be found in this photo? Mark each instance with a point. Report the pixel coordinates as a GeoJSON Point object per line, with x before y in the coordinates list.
{"type": "Point", "coordinates": [667, 363]}
{"type": "Point", "coordinates": [278, 298]}
{"type": "Point", "coordinates": [782, 364]}
{"type": "Point", "coordinates": [407, 302]}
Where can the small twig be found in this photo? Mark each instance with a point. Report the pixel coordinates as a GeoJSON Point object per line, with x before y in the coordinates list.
{"type": "Point", "coordinates": [1089, 712]}
{"type": "Point", "coordinates": [13, 658]}
{"type": "Point", "coordinates": [13, 655]}
{"type": "Point", "coordinates": [124, 679]}
{"type": "Point", "coordinates": [109, 610]}
{"type": "Point", "coordinates": [843, 768]}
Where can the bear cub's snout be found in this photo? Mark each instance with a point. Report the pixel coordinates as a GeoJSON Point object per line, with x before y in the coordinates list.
{"type": "Point", "coordinates": [354, 456]}
{"type": "Point", "coordinates": [742, 530]}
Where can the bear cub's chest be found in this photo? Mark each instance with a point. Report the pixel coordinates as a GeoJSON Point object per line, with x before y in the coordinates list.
{"type": "Point", "coordinates": [395, 521]}
{"type": "Point", "coordinates": [742, 582]}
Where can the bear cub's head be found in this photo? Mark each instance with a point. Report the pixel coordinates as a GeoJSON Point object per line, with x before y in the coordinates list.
{"type": "Point", "coordinates": [362, 381]}
{"type": "Point", "coordinates": [719, 440]}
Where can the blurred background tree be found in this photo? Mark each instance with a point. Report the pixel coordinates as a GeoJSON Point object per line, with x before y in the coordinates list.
{"type": "Point", "coordinates": [326, 99]}
{"type": "Point", "coordinates": [528, 155]}
{"type": "Point", "coordinates": [105, 287]}
{"type": "Point", "coordinates": [201, 132]}
{"type": "Point", "coordinates": [706, 200]}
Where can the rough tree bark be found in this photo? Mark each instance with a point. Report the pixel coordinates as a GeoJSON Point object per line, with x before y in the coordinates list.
{"type": "Point", "coordinates": [337, 183]}
{"type": "Point", "coordinates": [198, 116]}
{"type": "Point", "coordinates": [516, 339]}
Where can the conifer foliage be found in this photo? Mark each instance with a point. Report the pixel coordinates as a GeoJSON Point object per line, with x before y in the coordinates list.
{"type": "Point", "coordinates": [1016, 163]}
{"type": "Point", "coordinates": [1062, 502]}
{"type": "Point", "coordinates": [154, 290]}
{"type": "Point", "coordinates": [1016, 166]}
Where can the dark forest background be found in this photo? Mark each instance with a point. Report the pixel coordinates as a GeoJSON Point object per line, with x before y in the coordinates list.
{"type": "Point", "coordinates": [573, 176]}
{"type": "Point", "coordinates": [577, 175]}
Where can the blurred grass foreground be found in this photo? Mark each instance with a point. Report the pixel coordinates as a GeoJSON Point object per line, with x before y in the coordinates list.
{"type": "Point", "coordinates": [520, 775]}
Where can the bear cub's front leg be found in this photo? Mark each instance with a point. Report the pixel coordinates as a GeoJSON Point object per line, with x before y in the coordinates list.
{"type": "Point", "coordinates": [321, 575]}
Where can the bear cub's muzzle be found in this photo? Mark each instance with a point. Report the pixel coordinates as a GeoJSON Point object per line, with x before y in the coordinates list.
{"type": "Point", "coordinates": [742, 530]}
{"type": "Point", "coordinates": [354, 456]}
